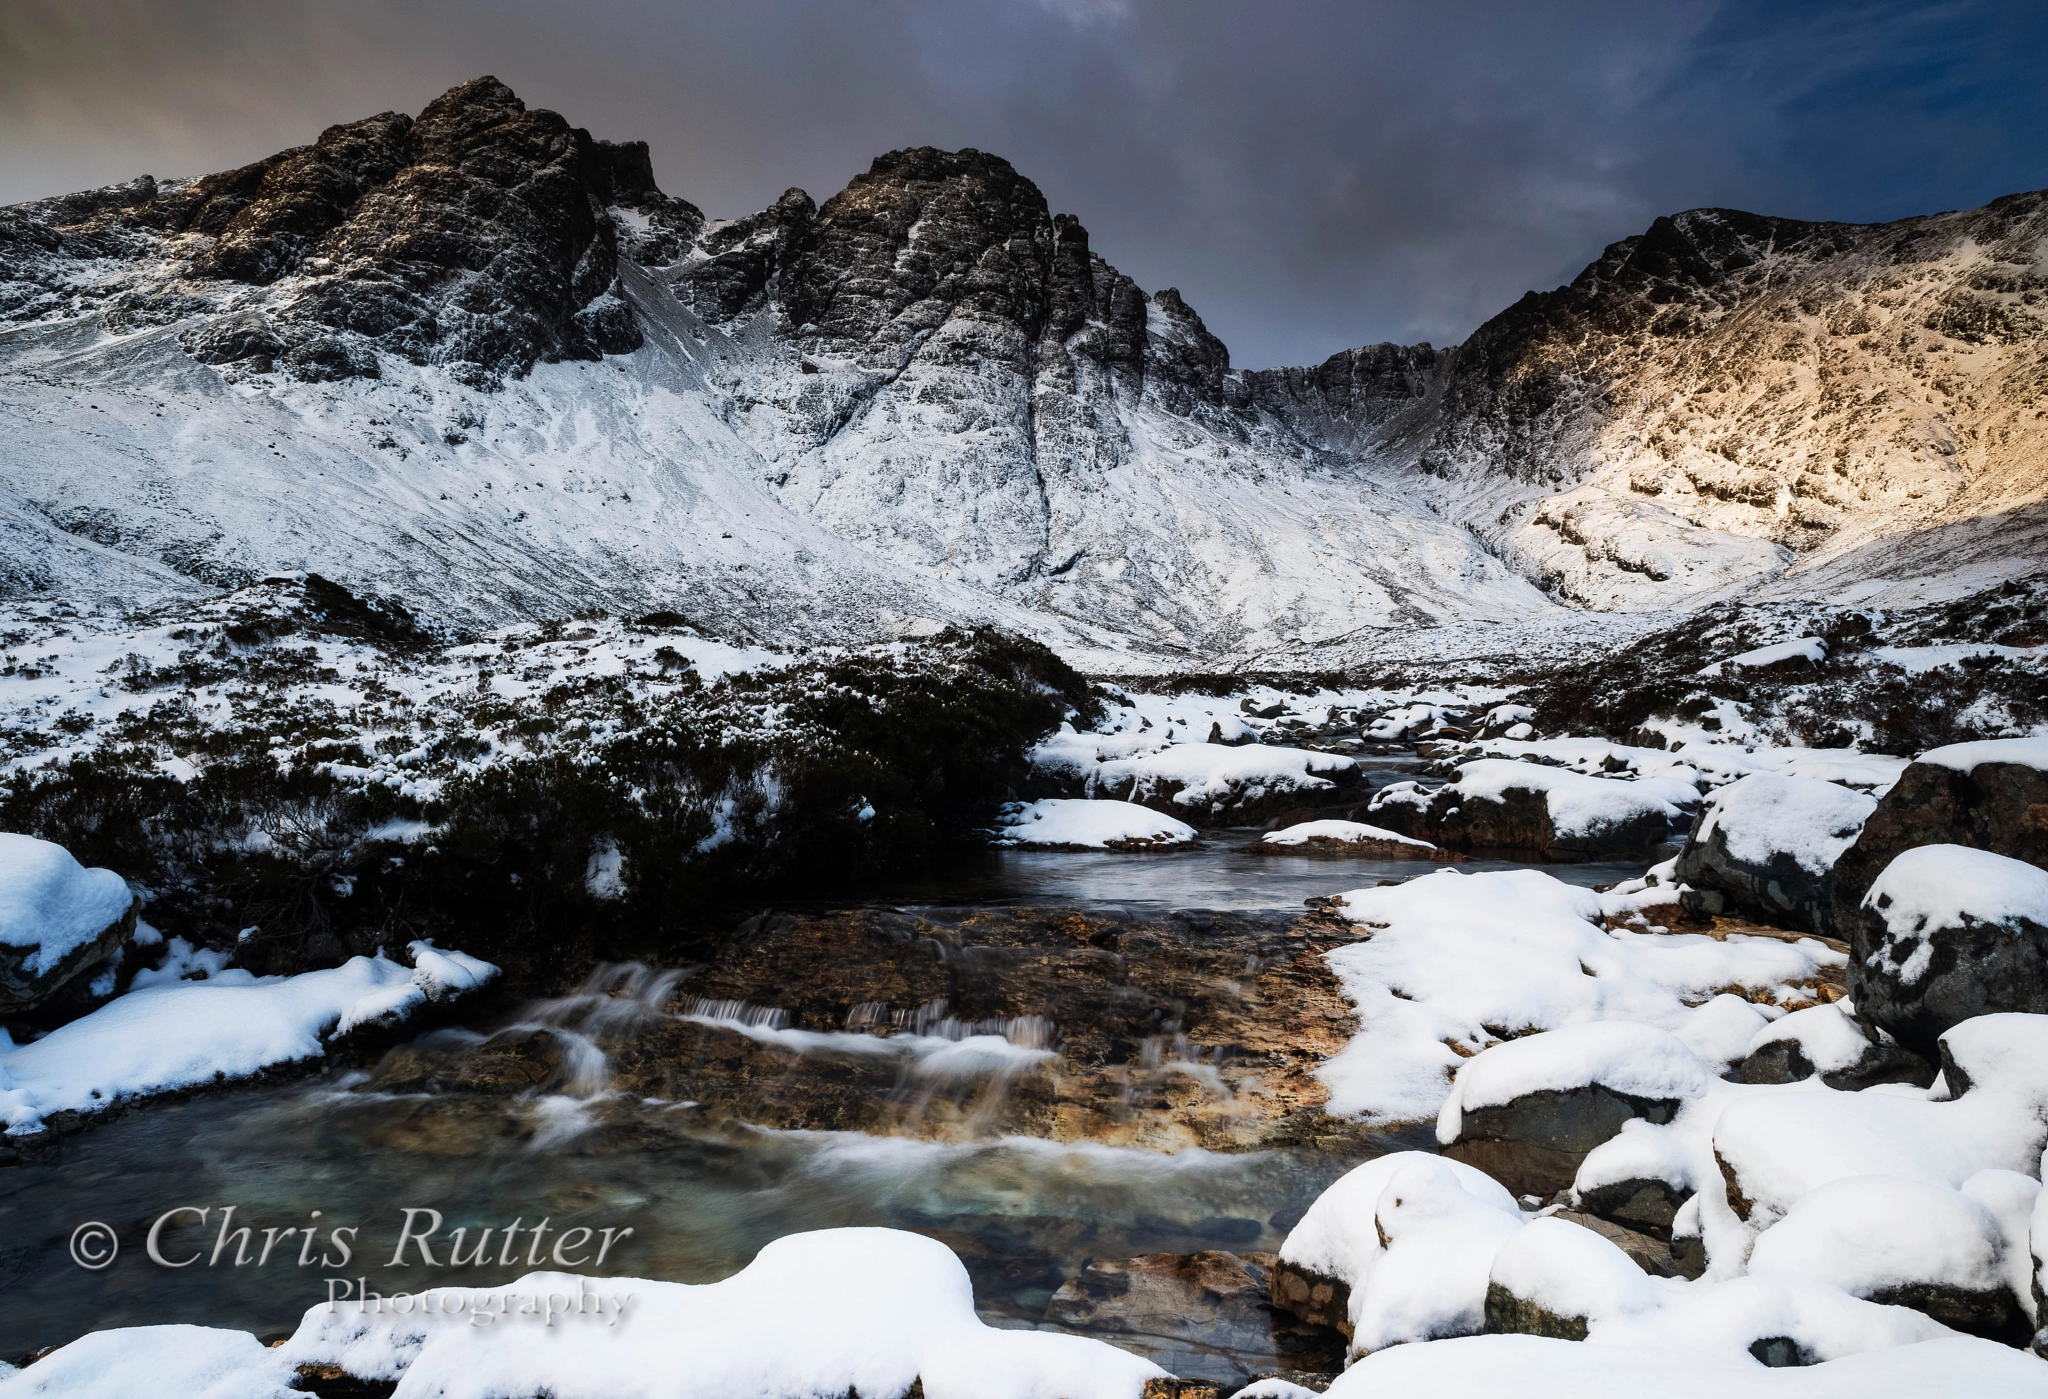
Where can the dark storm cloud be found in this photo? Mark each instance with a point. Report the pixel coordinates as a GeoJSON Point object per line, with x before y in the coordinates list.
{"type": "Point", "coordinates": [1310, 175]}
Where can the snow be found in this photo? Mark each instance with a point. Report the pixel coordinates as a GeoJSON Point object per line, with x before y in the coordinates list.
{"type": "Point", "coordinates": [1764, 814]}
{"type": "Point", "coordinates": [1930, 888]}
{"type": "Point", "coordinates": [1829, 1039]}
{"type": "Point", "coordinates": [1570, 1271]}
{"type": "Point", "coordinates": [1520, 950]}
{"type": "Point", "coordinates": [1813, 648]}
{"type": "Point", "coordinates": [1579, 805]}
{"type": "Point", "coordinates": [1412, 1235]}
{"type": "Point", "coordinates": [1207, 774]}
{"type": "Point", "coordinates": [2005, 1054]}
{"type": "Point", "coordinates": [1963, 757]}
{"type": "Point", "coordinates": [1344, 833]}
{"type": "Point", "coordinates": [1090, 825]}
{"type": "Point", "coordinates": [1639, 1061]}
{"type": "Point", "coordinates": [824, 1313]}
{"type": "Point", "coordinates": [1536, 1367]}
{"type": "Point", "coordinates": [1918, 660]}
{"type": "Point", "coordinates": [1866, 1234]}
{"type": "Point", "coordinates": [232, 1025]}
{"type": "Point", "coordinates": [50, 902]}
{"type": "Point", "coordinates": [179, 1362]}
{"type": "Point", "coordinates": [1777, 1146]}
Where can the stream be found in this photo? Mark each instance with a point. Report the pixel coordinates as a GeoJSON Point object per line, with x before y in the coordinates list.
{"type": "Point", "coordinates": [699, 1194]}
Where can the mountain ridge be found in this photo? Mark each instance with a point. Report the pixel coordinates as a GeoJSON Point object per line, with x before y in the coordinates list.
{"type": "Point", "coordinates": [930, 399]}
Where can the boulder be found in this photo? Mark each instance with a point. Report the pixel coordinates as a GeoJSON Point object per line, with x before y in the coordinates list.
{"type": "Point", "coordinates": [1534, 1144]}
{"type": "Point", "coordinates": [1768, 844]}
{"type": "Point", "coordinates": [1988, 796]}
{"type": "Point", "coordinates": [1947, 933]}
{"type": "Point", "coordinates": [58, 920]}
{"type": "Point", "coordinates": [1550, 813]}
{"type": "Point", "coordinates": [1528, 1111]}
{"type": "Point", "coordinates": [1822, 1040]}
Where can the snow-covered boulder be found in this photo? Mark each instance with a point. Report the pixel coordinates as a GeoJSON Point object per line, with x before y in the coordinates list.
{"type": "Point", "coordinates": [1912, 1243]}
{"type": "Point", "coordinates": [1554, 1278]}
{"type": "Point", "coordinates": [1823, 1041]}
{"type": "Point", "coordinates": [1529, 1110]}
{"type": "Point", "coordinates": [1061, 823]}
{"type": "Point", "coordinates": [1207, 783]}
{"type": "Point", "coordinates": [1947, 933]}
{"type": "Point", "coordinates": [57, 919]}
{"type": "Point", "coordinates": [1989, 796]}
{"type": "Point", "coordinates": [176, 1034]}
{"type": "Point", "coordinates": [1549, 812]}
{"type": "Point", "coordinates": [1766, 844]}
{"type": "Point", "coordinates": [1346, 838]}
{"type": "Point", "coordinates": [1397, 1250]}
{"type": "Point", "coordinates": [1774, 1147]}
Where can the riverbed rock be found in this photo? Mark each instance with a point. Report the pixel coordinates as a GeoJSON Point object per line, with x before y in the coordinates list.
{"type": "Point", "coordinates": [1950, 933]}
{"type": "Point", "coordinates": [58, 920]}
{"type": "Point", "coordinates": [1846, 1054]}
{"type": "Point", "coordinates": [1208, 1315]}
{"type": "Point", "coordinates": [1768, 845]}
{"type": "Point", "coordinates": [1187, 1030]}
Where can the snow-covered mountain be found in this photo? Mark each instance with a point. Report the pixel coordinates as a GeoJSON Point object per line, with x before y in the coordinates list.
{"type": "Point", "coordinates": [478, 360]}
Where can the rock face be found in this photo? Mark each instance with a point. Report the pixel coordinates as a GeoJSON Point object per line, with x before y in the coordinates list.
{"type": "Point", "coordinates": [1768, 844]}
{"type": "Point", "coordinates": [479, 236]}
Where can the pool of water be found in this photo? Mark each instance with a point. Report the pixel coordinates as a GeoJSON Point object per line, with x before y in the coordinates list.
{"type": "Point", "coordinates": [1218, 874]}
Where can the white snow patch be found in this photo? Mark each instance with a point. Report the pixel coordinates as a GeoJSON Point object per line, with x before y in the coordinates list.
{"type": "Point", "coordinates": [1089, 824]}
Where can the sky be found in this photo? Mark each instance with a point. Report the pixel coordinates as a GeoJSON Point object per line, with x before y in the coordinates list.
{"type": "Point", "coordinates": [1311, 174]}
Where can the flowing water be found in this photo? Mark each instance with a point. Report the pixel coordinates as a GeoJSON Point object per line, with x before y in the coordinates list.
{"type": "Point", "coordinates": [698, 1198]}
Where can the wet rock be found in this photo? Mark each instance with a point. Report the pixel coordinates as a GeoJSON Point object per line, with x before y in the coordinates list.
{"type": "Point", "coordinates": [1990, 1312]}
{"type": "Point", "coordinates": [512, 1061]}
{"type": "Point", "coordinates": [1534, 1144]}
{"type": "Point", "coordinates": [1312, 1297]}
{"type": "Point", "coordinates": [1206, 1314]}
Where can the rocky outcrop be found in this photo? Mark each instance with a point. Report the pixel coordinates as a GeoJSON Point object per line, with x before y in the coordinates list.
{"type": "Point", "coordinates": [58, 921]}
{"type": "Point", "coordinates": [1517, 820]}
{"type": "Point", "coordinates": [481, 236]}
